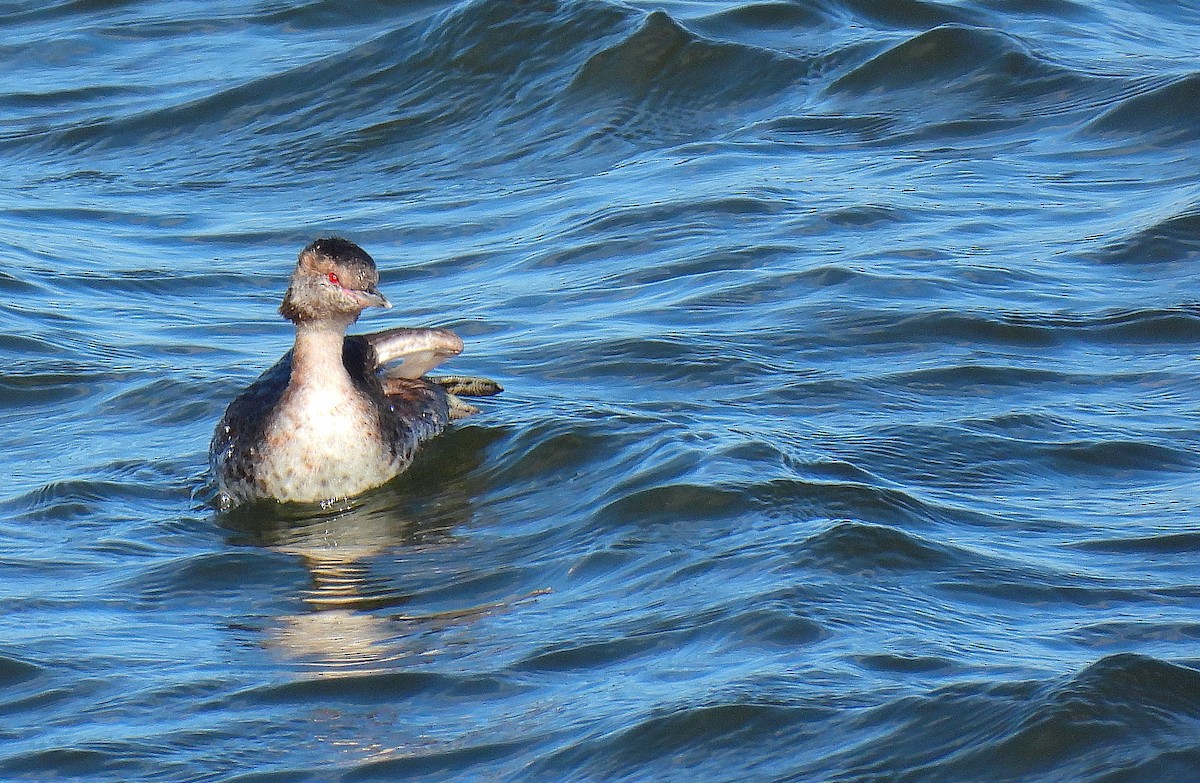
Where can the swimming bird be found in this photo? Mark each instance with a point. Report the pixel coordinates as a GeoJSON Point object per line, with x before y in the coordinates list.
{"type": "Point", "coordinates": [338, 414]}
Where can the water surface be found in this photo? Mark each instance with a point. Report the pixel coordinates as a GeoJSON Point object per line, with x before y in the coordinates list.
{"type": "Point", "coordinates": [851, 414]}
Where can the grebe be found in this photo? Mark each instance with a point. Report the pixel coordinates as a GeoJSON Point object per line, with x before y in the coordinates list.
{"type": "Point", "coordinates": [338, 414]}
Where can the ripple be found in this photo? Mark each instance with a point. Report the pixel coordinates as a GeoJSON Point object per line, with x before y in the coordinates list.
{"type": "Point", "coordinates": [323, 14]}
{"type": "Point", "coordinates": [1160, 113]}
{"type": "Point", "coordinates": [978, 378]}
{"type": "Point", "coordinates": [851, 546]}
{"type": "Point", "coordinates": [75, 498]}
{"type": "Point", "coordinates": [755, 17]}
{"type": "Point", "coordinates": [662, 63]}
{"type": "Point", "coordinates": [774, 626]}
{"type": "Point", "coordinates": [586, 657]}
{"type": "Point", "coordinates": [1172, 240]}
{"type": "Point", "coordinates": [834, 127]}
{"type": "Point", "coordinates": [1149, 325]}
{"type": "Point", "coordinates": [1120, 457]}
{"type": "Point", "coordinates": [685, 736]}
{"type": "Point", "coordinates": [908, 13]}
{"type": "Point", "coordinates": [1135, 635]}
{"type": "Point", "coordinates": [904, 664]}
{"type": "Point", "coordinates": [164, 401]}
{"type": "Point", "coordinates": [1040, 588]}
{"type": "Point", "coordinates": [436, 761]}
{"type": "Point", "coordinates": [989, 84]}
{"type": "Point", "coordinates": [665, 503]}
{"type": "Point", "coordinates": [17, 284]}
{"type": "Point", "coordinates": [941, 55]}
{"type": "Point", "coordinates": [70, 762]}
{"type": "Point", "coordinates": [41, 388]}
{"type": "Point", "coordinates": [1166, 543]}
{"type": "Point", "coordinates": [14, 671]}
{"type": "Point", "coordinates": [839, 500]}
{"type": "Point", "coordinates": [1133, 707]}
{"type": "Point", "coordinates": [371, 688]}
{"type": "Point", "coordinates": [217, 577]}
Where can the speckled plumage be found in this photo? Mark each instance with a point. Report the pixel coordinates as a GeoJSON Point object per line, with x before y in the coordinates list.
{"type": "Point", "coordinates": [337, 415]}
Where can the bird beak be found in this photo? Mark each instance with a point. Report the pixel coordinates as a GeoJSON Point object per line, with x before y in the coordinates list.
{"type": "Point", "coordinates": [372, 298]}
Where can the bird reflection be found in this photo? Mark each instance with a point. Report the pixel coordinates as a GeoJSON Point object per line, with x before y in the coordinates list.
{"type": "Point", "coordinates": [368, 558]}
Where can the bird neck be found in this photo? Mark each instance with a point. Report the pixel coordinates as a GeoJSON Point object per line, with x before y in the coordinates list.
{"type": "Point", "coordinates": [317, 355]}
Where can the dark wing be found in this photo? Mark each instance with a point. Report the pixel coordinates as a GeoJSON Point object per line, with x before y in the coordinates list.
{"type": "Point", "coordinates": [422, 407]}
{"type": "Point", "coordinates": [411, 410]}
{"type": "Point", "coordinates": [244, 424]}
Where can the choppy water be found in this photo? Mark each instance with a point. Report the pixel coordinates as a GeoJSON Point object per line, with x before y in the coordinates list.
{"type": "Point", "coordinates": [850, 430]}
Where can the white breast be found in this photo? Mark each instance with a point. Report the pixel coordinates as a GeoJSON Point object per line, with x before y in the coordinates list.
{"type": "Point", "coordinates": [323, 443]}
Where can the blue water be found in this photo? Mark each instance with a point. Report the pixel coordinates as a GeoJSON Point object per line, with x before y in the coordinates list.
{"type": "Point", "coordinates": [851, 414]}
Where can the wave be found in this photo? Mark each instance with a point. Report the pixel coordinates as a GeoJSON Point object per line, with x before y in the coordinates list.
{"type": "Point", "coordinates": [751, 20]}
{"type": "Point", "coordinates": [1164, 114]}
{"type": "Point", "coordinates": [1172, 240]}
{"type": "Point", "coordinates": [664, 746]}
{"type": "Point", "coordinates": [1150, 325]}
{"type": "Point", "coordinates": [962, 74]}
{"type": "Point", "coordinates": [368, 688]}
{"type": "Point", "coordinates": [1186, 544]}
{"type": "Point", "coordinates": [79, 762]}
{"type": "Point", "coordinates": [1123, 712]}
{"type": "Point", "coordinates": [1131, 635]}
{"type": "Point", "coordinates": [323, 14]}
{"type": "Point", "coordinates": [1119, 457]}
{"type": "Point", "coordinates": [489, 70]}
{"type": "Point", "coordinates": [850, 546]}
{"type": "Point", "coordinates": [216, 576]}
{"type": "Point", "coordinates": [483, 83]}
{"type": "Point", "coordinates": [663, 84]}
{"type": "Point", "coordinates": [557, 78]}
{"type": "Point", "coordinates": [906, 14]}
{"type": "Point", "coordinates": [942, 56]}
{"type": "Point", "coordinates": [14, 671]}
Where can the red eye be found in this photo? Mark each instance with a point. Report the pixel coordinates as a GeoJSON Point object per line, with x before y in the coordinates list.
{"type": "Point", "coordinates": [334, 279]}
